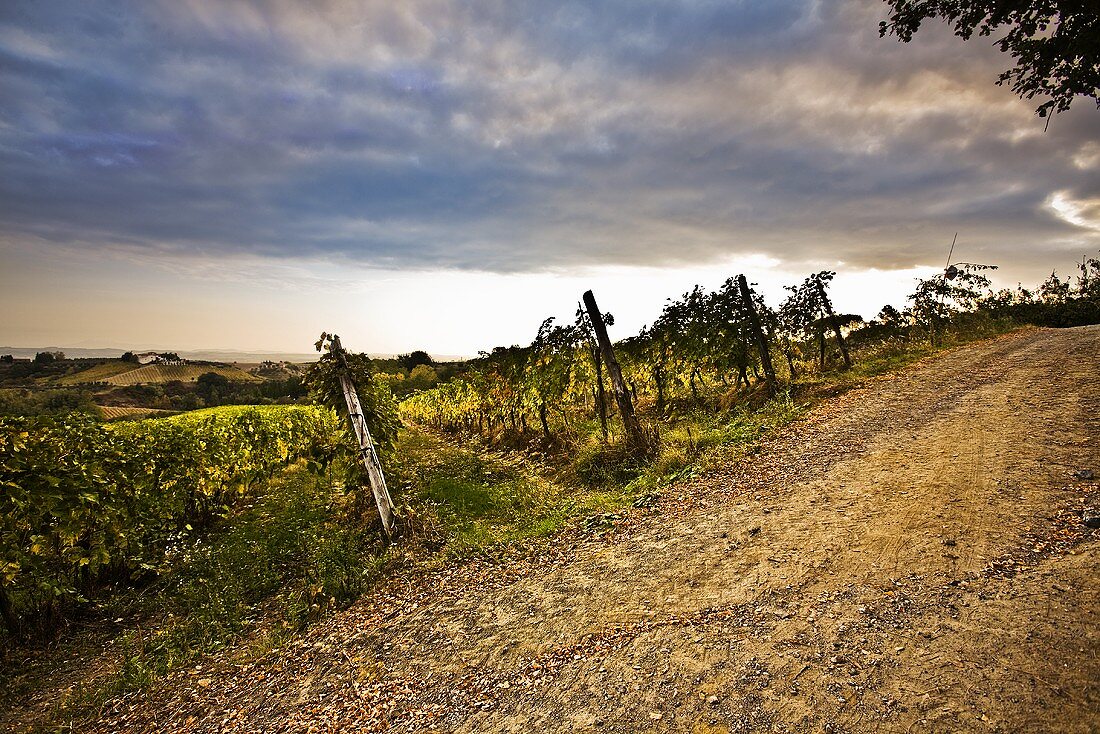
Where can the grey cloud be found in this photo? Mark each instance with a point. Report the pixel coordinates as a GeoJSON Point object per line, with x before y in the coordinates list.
{"type": "Point", "coordinates": [519, 138]}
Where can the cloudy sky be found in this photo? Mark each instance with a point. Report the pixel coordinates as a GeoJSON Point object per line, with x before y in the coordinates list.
{"type": "Point", "coordinates": [437, 174]}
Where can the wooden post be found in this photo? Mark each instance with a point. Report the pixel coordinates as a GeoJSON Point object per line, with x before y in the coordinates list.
{"type": "Point", "coordinates": [367, 451]}
{"type": "Point", "coordinates": [835, 324]}
{"type": "Point", "coordinates": [761, 340]}
{"type": "Point", "coordinates": [622, 397]}
{"type": "Point", "coordinates": [601, 394]}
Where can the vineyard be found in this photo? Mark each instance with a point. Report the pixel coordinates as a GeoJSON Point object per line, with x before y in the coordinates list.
{"type": "Point", "coordinates": [702, 346]}
{"type": "Point", "coordinates": [121, 373]}
{"type": "Point", "coordinates": [97, 373]}
{"type": "Point", "coordinates": [706, 352]}
{"type": "Point", "coordinates": [155, 373]}
{"type": "Point", "coordinates": [119, 412]}
{"type": "Point", "coordinates": [88, 504]}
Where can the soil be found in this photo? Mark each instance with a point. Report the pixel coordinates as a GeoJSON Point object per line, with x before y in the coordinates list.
{"type": "Point", "coordinates": [909, 557]}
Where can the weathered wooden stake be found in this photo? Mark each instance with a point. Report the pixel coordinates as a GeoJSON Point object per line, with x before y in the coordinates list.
{"type": "Point", "coordinates": [835, 324]}
{"type": "Point", "coordinates": [761, 340]}
{"type": "Point", "coordinates": [601, 394]}
{"type": "Point", "coordinates": [367, 452]}
{"type": "Point", "coordinates": [622, 396]}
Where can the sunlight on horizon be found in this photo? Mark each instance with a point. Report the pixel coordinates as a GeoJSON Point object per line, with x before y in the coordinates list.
{"type": "Point", "coordinates": [282, 307]}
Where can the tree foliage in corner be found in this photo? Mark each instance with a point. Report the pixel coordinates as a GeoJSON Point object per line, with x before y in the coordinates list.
{"type": "Point", "coordinates": [375, 395]}
{"type": "Point", "coordinates": [1056, 43]}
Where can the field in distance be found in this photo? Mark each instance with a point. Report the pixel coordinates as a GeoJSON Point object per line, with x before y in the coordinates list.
{"type": "Point", "coordinates": [98, 372]}
{"type": "Point", "coordinates": [126, 373]}
{"type": "Point", "coordinates": [117, 412]}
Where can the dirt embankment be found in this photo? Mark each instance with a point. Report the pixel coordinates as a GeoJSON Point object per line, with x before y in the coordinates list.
{"type": "Point", "coordinates": [908, 558]}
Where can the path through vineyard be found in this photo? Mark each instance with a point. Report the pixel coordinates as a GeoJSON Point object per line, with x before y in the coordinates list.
{"type": "Point", "coordinates": [908, 558]}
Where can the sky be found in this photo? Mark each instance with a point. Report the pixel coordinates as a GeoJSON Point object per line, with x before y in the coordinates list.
{"type": "Point", "coordinates": [444, 175]}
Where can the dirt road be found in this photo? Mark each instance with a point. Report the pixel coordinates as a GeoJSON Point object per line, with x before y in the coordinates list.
{"type": "Point", "coordinates": [910, 557]}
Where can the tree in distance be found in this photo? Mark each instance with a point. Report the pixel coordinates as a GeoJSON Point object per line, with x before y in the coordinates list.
{"type": "Point", "coordinates": [890, 316]}
{"type": "Point", "coordinates": [208, 381]}
{"type": "Point", "coordinates": [415, 359]}
{"type": "Point", "coordinates": [1056, 43]}
{"type": "Point", "coordinates": [939, 298]}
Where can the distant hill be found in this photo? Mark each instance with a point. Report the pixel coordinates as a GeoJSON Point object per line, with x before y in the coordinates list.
{"type": "Point", "coordinates": [70, 352]}
{"type": "Point", "coordinates": [98, 373]}
{"type": "Point", "coordinates": [127, 373]}
{"type": "Point", "coordinates": [209, 355]}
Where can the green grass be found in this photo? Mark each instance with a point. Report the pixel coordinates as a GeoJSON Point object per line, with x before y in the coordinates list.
{"type": "Point", "coordinates": [461, 500]}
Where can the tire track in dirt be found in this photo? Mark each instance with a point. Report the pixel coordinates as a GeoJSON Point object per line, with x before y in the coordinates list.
{"type": "Point", "coordinates": [874, 568]}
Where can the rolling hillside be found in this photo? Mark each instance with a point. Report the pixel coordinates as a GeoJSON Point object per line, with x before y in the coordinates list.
{"type": "Point", "coordinates": [126, 373]}
{"type": "Point", "coordinates": [153, 373]}
{"type": "Point", "coordinates": [97, 373]}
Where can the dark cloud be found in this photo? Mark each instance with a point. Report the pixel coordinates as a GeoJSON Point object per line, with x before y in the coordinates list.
{"type": "Point", "coordinates": [532, 136]}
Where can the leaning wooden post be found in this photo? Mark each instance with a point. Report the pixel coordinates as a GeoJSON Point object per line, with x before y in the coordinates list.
{"type": "Point", "coordinates": [761, 340]}
{"type": "Point", "coordinates": [367, 451]}
{"type": "Point", "coordinates": [835, 324]}
{"type": "Point", "coordinates": [622, 396]}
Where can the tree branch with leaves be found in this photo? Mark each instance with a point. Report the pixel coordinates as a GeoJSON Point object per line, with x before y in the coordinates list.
{"type": "Point", "coordinates": [1056, 43]}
